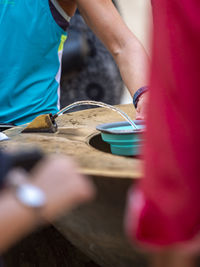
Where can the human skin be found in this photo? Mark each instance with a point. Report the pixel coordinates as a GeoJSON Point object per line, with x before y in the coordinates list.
{"type": "Point", "coordinates": [64, 189]}
{"type": "Point", "coordinates": [104, 19]}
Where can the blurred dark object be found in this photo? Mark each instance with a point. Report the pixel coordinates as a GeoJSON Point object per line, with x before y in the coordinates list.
{"type": "Point", "coordinates": [26, 159]}
{"type": "Point", "coordinates": [88, 69]}
{"type": "Point", "coordinates": [22, 159]}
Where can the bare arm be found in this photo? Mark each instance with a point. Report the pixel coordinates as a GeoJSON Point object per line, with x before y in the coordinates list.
{"type": "Point", "coordinates": [126, 49]}
{"type": "Point", "coordinates": [15, 220]}
{"type": "Point", "coordinates": [129, 54]}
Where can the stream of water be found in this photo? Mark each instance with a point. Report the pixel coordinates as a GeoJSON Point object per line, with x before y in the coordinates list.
{"type": "Point", "coordinates": [100, 104]}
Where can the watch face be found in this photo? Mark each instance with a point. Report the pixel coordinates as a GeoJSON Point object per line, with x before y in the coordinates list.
{"type": "Point", "coordinates": [30, 196]}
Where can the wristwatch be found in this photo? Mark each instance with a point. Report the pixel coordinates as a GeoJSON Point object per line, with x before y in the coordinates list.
{"type": "Point", "coordinates": [30, 196]}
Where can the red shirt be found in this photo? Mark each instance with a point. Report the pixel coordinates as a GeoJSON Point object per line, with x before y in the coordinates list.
{"type": "Point", "coordinates": [167, 208]}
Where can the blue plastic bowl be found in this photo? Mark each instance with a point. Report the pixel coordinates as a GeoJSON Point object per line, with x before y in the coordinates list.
{"type": "Point", "coordinates": [123, 139]}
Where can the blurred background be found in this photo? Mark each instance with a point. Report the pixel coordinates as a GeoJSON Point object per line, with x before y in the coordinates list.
{"type": "Point", "coordinates": [138, 16]}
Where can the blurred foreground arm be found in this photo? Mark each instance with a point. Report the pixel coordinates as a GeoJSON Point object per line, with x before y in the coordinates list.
{"type": "Point", "coordinates": [63, 187]}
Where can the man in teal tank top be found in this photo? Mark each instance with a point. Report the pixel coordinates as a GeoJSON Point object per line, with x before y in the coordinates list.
{"type": "Point", "coordinates": [32, 37]}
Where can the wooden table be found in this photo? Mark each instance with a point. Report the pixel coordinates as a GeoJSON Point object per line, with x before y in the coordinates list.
{"type": "Point", "coordinates": [95, 228]}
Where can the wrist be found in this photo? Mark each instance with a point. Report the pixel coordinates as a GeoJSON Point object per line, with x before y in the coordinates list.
{"type": "Point", "coordinates": [138, 94]}
{"type": "Point", "coordinates": [30, 196]}
{"type": "Point", "coordinates": [16, 219]}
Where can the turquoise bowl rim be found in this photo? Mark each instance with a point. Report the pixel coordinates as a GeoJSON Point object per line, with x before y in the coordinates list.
{"type": "Point", "coordinates": [105, 128]}
{"type": "Point", "coordinates": [122, 142]}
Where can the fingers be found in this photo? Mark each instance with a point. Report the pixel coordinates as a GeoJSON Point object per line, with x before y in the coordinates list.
{"type": "Point", "coordinates": [64, 187]}
{"type": "Point", "coordinates": [58, 177]}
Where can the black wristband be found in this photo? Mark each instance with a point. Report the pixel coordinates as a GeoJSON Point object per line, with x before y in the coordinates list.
{"type": "Point", "coordinates": [138, 93]}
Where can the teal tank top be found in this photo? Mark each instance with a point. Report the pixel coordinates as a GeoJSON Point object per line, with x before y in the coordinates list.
{"type": "Point", "coordinates": [30, 58]}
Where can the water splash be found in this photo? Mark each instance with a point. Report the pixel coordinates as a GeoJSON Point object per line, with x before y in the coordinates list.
{"type": "Point", "coordinates": [100, 104]}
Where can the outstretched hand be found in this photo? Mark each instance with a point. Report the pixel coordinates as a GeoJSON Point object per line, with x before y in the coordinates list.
{"type": "Point", "coordinates": [58, 177]}
{"type": "Point", "coordinates": [64, 187]}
